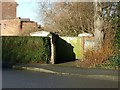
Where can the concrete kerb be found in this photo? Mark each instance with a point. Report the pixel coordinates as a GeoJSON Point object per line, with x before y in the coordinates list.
{"type": "Point", "coordinates": [103, 77]}
{"type": "Point", "coordinates": [33, 69]}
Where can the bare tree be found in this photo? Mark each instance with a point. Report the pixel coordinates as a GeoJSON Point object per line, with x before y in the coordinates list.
{"type": "Point", "coordinates": [103, 22]}
{"type": "Point", "coordinates": [69, 18]}
{"type": "Point", "coordinates": [72, 18]}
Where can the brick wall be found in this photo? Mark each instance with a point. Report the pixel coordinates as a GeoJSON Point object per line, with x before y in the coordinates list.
{"type": "Point", "coordinates": [16, 27]}
{"type": "Point", "coordinates": [8, 10]}
{"type": "Point", "coordinates": [10, 27]}
{"type": "Point", "coordinates": [28, 25]}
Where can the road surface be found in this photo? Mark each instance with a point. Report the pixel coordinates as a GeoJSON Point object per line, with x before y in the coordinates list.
{"type": "Point", "coordinates": [29, 79]}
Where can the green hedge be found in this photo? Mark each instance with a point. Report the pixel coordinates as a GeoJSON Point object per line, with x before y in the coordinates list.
{"type": "Point", "coordinates": [25, 49]}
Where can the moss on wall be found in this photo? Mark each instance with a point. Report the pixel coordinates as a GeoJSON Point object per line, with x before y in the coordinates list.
{"type": "Point", "coordinates": [76, 42]}
{"type": "Point", "coordinates": [64, 51]}
{"type": "Point", "coordinates": [68, 49]}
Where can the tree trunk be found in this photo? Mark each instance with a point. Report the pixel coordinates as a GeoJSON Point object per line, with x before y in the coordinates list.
{"type": "Point", "coordinates": [98, 26]}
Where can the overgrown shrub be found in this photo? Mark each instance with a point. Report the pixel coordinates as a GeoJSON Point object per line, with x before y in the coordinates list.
{"type": "Point", "coordinates": [109, 55]}
{"type": "Point", "coordinates": [93, 58]}
{"type": "Point", "coordinates": [106, 57]}
{"type": "Point", "coordinates": [25, 49]}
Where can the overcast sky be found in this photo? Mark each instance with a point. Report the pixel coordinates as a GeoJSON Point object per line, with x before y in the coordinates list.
{"type": "Point", "coordinates": [28, 10]}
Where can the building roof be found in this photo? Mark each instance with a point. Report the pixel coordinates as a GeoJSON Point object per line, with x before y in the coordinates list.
{"type": "Point", "coordinates": [84, 34]}
{"type": "Point", "coordinates": [24, 19]}
{"type": "Point", "coordinates": [40, 33]}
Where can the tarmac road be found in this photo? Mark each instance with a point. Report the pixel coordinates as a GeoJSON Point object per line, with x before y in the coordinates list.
{"type": "Point", "coordinates": [29, 79]}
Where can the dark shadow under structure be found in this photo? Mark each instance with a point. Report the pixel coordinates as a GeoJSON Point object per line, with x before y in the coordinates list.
{"type": "Point", "coordinates": [64, 51]}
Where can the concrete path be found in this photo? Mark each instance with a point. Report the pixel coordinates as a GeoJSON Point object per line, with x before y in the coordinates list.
{"type": "Point", "coordinates": [56, 69]}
